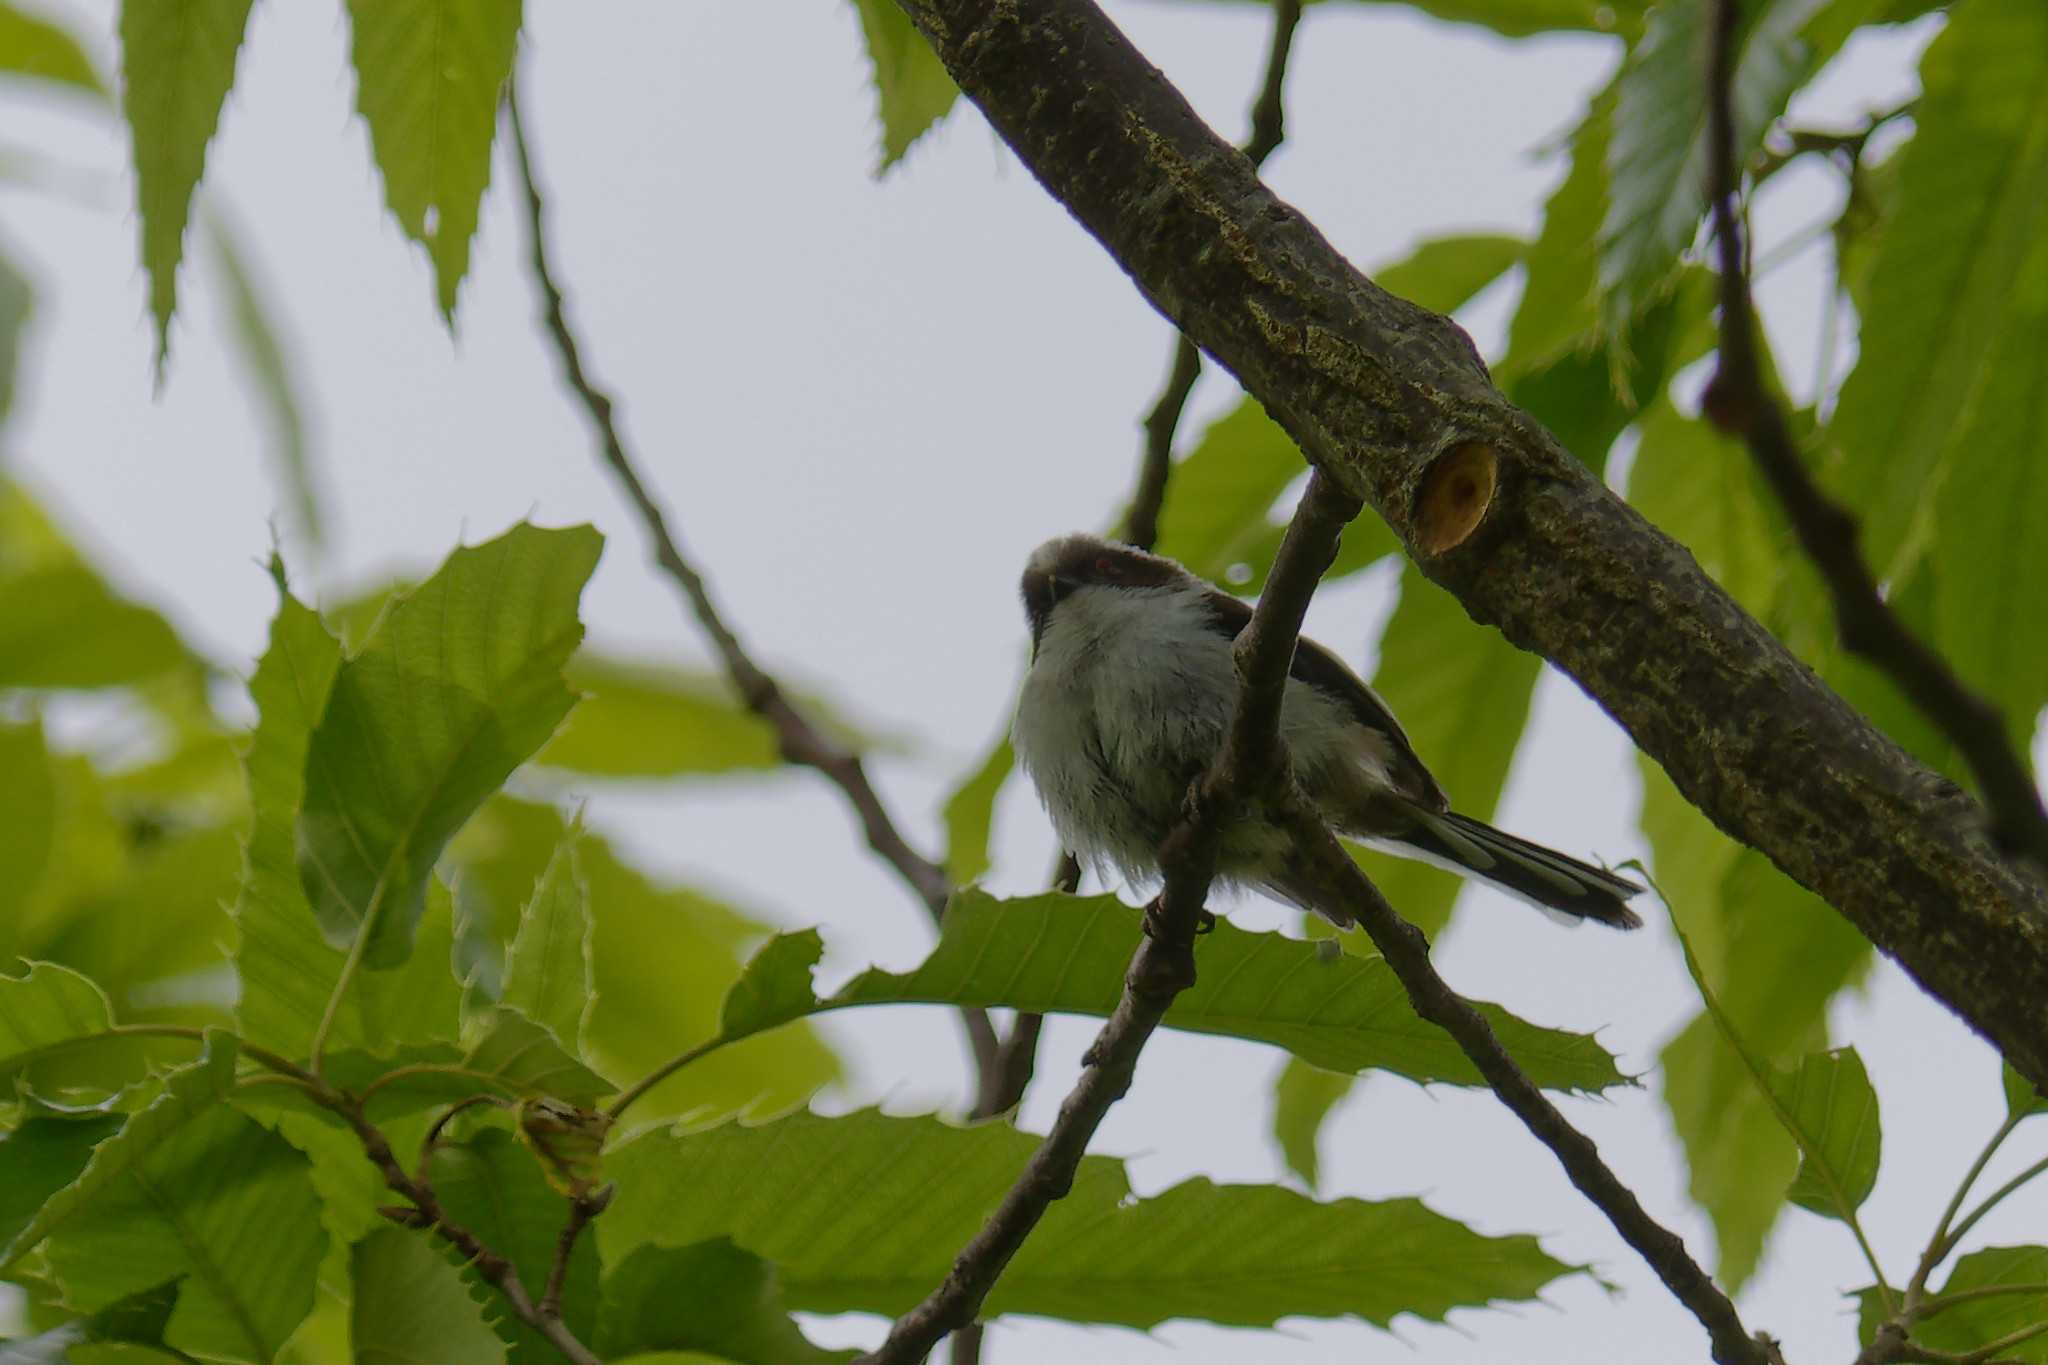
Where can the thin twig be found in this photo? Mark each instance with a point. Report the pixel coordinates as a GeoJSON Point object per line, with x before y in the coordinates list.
{"type": "Point", "coordinates": [1269, 128]}
{"type": "Point", "coordinates": [432, 1138]}
{"type": "Point", "coordinates": [1164, 964]}
{"type": "Point", "coordinates": [1941, 1303]}
{"type": "Point", "coordinates": [582, 1208]}
{"type": "Point", "coordinates": [1738, 402]}
{"type": "Point", "coordinates": [1939, 1245]}
{"type": "Point", "coordinates": [1990, 1202]}
{"type": "Point", "coordinates": [498, 1272]}
{"type": "Point", "coordinates": [1017, 1058]}
{"type": "Point", "coordinates": [1407, 952]}
{"type": "Point", "coordinates": [802, 743]}
{"type": "Point", "coordinates": [1890, 1345]}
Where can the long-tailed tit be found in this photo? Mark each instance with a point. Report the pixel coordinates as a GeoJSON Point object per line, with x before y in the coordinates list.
{"type": "Point", "coordinates": [1128, 699]}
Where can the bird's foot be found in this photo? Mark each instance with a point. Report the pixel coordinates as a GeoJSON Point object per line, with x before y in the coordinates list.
{"type": "Point", "coordinates": [1155, 919]}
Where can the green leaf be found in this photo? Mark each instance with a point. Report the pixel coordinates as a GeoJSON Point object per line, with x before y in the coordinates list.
{"type": "Point", "coordinates": [2022, 1099]}
{"type": "Point", "coordinates": [970, 812]}
{"type": "Point", "coordinates": [224, 1203]}
{"type": "Point", "coordinates": [1442, 275]}
{"type": "Point", "coordinates": [1658, 158]}
{"type": "Point", "coordinates": [17, 304]}
{"type": "Point", "coordinates": [522, 1058]}
{"type": "Point", "coordinates": [493, 1186]}
{"type": "Point", "coordinates": [913, 90]}
{"type": "Point", "coordinates": [1973, 207]}
{"type": "Point", "coordinates": [254, 332]}
{"type": "Point", "coordinates": [288, 969]}
{"type": "Point", "coordinates": [1056, 954]}
{"type": "Point", "coordinates": [411, 1306]}
{"type": "Point", "coordinates": [1219, 494]}
{"type": "Point", "coordinates": [1523, 18]}
{"type": "Point", "coordinates": [1303, 1097]}
{"type": "Point", "coordinates": [656, 720]}
{"type": "Point", "coordinates": [907, 1193]}
{"type": "Point", "coordinates": [547, 973]}
{"type": "Point", "coordinates": [47, 1010]}
{"type": "Point", "coordinates": [61, 626]}
{"type": "Point", "coordinates": [1462, 693]}
{"type": "Point", "coordinates": [1559, 314]}
{"type": "Point", "coordinates": [33, 46]}
{"type": "Point", "coordinates": [429, 74]}
{"type": "Point", "coordinates": [461, 683]}
{"type": "Point", "coordinates": [709, 1297]}
{"type": "Point", "coordinates": [1774, 956]}
{"type": "Point", "coordinates": [662, 959]}
{"type": "Point", "coordinates": [177, 65]}
{"type": "Point", "coordinates": [1975, 1323]}
{"type": "Point", "coordinates": [1830, 1110]}
{"type": "Point", "coordinates": [41, 1156]}
{"type": "Point", "coordinates": [189, 1093]}
{"type": "Point", "coordinates": [1701, 489]}
{"type": "Point", "coordinates": [28, 820]}
{"type": "Point", "coordinates": [138, 1320]}
{"type": "Point", "coordinates": [1996, 494]}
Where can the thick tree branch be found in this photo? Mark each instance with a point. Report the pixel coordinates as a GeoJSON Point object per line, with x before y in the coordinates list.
{"type": "Point", "coordinates": [1739, 401]}
{"type": "Point", "coordinates": [802, 743]}
{"type": "Point", "coordinates": [1164, 964]}
{"type": "Point", "coordinates": [1379, 392]}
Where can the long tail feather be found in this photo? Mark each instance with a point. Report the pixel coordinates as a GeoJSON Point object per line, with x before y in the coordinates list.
{"type": "Point", "coordinates": [1553, 882]}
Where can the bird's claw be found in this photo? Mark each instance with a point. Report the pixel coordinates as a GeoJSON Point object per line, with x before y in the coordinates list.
{"type": "Point", "coordinates": [1155, 919]}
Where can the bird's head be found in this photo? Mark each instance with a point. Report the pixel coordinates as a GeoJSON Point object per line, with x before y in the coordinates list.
{"type": "Point", "coordinates": [1069, 564]}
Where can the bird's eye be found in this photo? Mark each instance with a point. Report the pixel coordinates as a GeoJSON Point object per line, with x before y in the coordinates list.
{"type": "Point", "coordinates": [1106, 566]}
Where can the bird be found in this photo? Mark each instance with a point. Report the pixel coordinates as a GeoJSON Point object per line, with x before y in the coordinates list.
{"type": "Point", "coordinates": [1127, 700]}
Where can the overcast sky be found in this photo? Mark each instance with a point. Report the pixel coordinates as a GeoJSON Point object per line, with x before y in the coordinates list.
{"type": "Point", "coordinates": [864, 403]}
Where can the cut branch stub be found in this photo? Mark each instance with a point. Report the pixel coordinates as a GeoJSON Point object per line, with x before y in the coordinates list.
{"type": "Point", "coordinates": [1454, 496]}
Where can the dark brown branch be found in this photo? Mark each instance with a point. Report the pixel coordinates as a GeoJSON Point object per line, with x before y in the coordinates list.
{"type": "Point", "coordinates": [1269, 128]}
{"type": "Point", "coordinates": [426, 1213]}
{"type": "Point", "coordinates": [1407, 952]}
{"type": "Point", "coordinates": [1376, 390]}
{"type": "Point", "coordinates": [1741, 403]}
{"type": "Point", "coordinates": [1155, 467]}
{"type": "Point", "coordinates": [582, 1208]}
{"type": "Point", "coordinates": [1164, 964]}
{"type": "Point", "coordinates": [802, 743]}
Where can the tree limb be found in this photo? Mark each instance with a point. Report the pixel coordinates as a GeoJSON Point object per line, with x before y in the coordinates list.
{"type": "Point", "coordinates": [802, 743]}
{"type": "Point", "coordinates": [1377, 392]}
{"type": "Point", "coordinates": [1164, 964]}
{"type": "Point", "coordinates": [1739, 402]}
{"type": "Point", "coordinates": [1407, 952]}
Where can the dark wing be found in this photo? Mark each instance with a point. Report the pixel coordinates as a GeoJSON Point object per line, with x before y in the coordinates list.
{"type": "Point", "coordinates": [1327, 673]}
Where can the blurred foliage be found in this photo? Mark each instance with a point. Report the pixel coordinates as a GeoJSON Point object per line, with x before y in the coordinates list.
{"type": "Point", "coordinates": [370, 884]}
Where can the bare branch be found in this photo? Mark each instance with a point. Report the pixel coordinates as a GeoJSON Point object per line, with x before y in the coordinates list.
{"type": "Point", "coordinates": [582, 1208]}
{"type": "Point", "coordinates": [802, 743]}
{"type": "Point", "coordinates": [1164, 964]}
{"type": "Point", "coordinates": [1739, 401]}
{"type": "Point", "coordinates": [1407, 952]}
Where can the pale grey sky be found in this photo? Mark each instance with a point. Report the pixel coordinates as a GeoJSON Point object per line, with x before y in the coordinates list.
{"type": "Point", "coordinates": [864, 403]}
